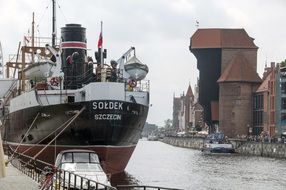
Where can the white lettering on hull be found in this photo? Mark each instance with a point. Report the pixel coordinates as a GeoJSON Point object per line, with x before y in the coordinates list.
{"type": "Point", "coordinates": [107, 117]}
{"type": "Point", "coordinates": [107, 105]}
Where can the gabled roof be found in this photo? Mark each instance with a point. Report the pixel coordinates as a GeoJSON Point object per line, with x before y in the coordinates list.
{"type": "Point", "coordinates": [190, 92]}
{"type": "Point", "coordinates": [221, 38]}
{"type": "Point", "coordinates": [264, 85]}
{"type": "Point", "coordinates": [239, 70]}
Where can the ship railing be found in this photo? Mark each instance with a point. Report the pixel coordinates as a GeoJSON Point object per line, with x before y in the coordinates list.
{"type": "Point", "coordinates": [38, 41]}
{"type": "Point", "coordinates": [143, 187]}
{"type": "Point", "coordinates": [75, 82]}
{"type": "Point", "coordinates": [143, 85]}
{"type": "Point", "coordinates": [51, 178]}
{"type": "Point", "coordinates": [10, 92]}
{"type": "Point", "coordinates": [17, 59]}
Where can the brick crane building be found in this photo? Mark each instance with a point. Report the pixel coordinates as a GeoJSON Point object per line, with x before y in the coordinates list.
{"type": "Point", "coordinates": [227, 61]}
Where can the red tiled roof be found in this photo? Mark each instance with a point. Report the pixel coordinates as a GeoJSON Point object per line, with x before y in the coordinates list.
{"type": "Point", "coordinates": [221, 38]}
{"type": "Point", "coordinates": [264, 85]}
{"type": "Point", "coordinates": [239, 70]}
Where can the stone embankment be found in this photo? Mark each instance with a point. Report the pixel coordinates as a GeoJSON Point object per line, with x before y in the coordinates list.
{"type": "Point", "coordinates": [275, 150]}
{"type": "Point", "coordinates": [185, 142]}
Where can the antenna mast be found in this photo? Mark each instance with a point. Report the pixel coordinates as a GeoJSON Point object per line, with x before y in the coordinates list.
{"type": "Point", "coordinates": [54, 34]}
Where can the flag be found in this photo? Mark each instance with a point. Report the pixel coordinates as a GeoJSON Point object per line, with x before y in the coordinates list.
{"type": "Point", "coordinates": [100, 40]}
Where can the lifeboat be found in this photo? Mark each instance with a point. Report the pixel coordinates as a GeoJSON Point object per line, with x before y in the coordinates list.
{"type": "Point", "coordinates": [39, 70]}
{"type": "Point", "coordinates": [136, 69]}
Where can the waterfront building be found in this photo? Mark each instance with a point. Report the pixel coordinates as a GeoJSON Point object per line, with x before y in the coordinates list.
{"type": "Point", "coordinates": [227, 61]}
{"type": "Point", "coordinates": [179, 113]}
{"type": "Point", "coordinates": [264, 104]}
{"type": "Point", "coordinates": [176, 110]}
{"type": "Point", "coordinates": [280, 103]}
{"type": "Point", "coordinates": [187, 112]}
{"type": "Point", "coordinates": [269, 103]}
{"type": "Point", "coordinates": [197, 111]}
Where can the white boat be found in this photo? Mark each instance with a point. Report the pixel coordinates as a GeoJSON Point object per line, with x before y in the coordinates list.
{"type": "Point", "coordinates": [216, 143]}
{"type": "Point", "coordinates": [84, 163]}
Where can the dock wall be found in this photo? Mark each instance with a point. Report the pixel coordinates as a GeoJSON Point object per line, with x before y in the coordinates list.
{"type": "Point", "coordinates": [275, 150]}
{"type": "Point", "coordinates": [185, 142]}
{"type": "Point", "coordinates": [265, 149]}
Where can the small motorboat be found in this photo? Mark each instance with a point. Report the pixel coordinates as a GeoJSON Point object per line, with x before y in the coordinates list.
{"type": "Point", "coordinates": [217, 143]}
{"type": "Point", "coordinates": [84, 163]}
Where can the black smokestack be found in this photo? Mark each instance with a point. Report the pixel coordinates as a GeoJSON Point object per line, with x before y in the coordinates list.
{"type": "Point", "coordinates": [73, 54]}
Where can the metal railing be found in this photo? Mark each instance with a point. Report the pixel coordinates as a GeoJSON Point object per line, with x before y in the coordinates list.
{"type": "Point", "coordinates": [51, 178]}
{"type": "Point", "coordinates": [143, 187]}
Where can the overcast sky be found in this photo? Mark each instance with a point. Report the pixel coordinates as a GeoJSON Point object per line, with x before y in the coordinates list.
{"type": "Point", "coordinates": [159, 29]}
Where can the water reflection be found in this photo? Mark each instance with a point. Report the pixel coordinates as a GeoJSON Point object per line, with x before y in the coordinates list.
{"type": "Point", "coordinates": [159, 164]}
{"type": "Point", "coordinates": [123, 178]}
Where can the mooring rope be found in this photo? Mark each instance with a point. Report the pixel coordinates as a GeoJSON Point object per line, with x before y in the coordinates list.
{"type": "Point", "coordinates": [49, 134]}
{"type": "Point", "coordinates": [23, 138]}
{"type": "Point", "coordinates": [82, 109]}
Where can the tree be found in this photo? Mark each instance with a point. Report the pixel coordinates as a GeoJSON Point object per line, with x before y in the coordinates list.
{"type": "Point", "coordinates": [168, 123]}
{"type": "Point", "coordinates": [283, 63]}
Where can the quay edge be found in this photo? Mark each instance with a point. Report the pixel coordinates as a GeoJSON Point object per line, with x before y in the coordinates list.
{"type": "Point", "coordinates": [243, 147]}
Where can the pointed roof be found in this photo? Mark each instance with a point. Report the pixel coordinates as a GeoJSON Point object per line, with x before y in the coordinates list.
{"type": "Point", "coordinates": [239, 70]}
{"type": "Point", "coordinates": [221, 38]}
{"type": "Point", "coordinates": [190, 92]}
{"type": "Point", "coordinates": [264, 85]}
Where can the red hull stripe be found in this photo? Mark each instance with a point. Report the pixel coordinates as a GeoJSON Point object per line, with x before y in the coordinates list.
{"type": "Point", "coordinates": [114, 159]}
{"type": "Point", "coordinates": [73, 45]}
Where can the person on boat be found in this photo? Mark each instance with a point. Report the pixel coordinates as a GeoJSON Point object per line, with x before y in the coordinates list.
{"type": "Point", "coordinates": [98, 72]}
{"type": "Point", "coordinates": [113, 77]}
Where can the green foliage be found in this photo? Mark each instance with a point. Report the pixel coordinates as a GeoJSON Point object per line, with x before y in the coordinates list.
{"type": "Point", "coordinates": [283, 63]}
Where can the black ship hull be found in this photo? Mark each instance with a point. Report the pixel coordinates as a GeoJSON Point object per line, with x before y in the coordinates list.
{"type": "Point", "coordinates": [111, 128]}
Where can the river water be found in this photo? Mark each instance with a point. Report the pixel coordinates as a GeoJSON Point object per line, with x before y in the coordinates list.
{"type": "Point", "coordinates": [159, 164]}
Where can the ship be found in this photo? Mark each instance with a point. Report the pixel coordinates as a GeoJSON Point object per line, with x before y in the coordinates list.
{"type": "Point", "coordinates": [61, 99]}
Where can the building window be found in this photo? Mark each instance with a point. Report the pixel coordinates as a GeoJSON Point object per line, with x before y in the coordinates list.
{"type": "Point", "coordinates": [283, 103]}
{"type": "Point", "coordinates": [283, 87]}
{"type": "Point", "coordinates": [258, 102]}
{"type": "Point", "coordinates": [283, 118]}
{"type": "Point", "coordinates": [258, 106]}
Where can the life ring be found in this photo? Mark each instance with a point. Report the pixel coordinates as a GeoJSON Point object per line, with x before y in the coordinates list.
{"type": "Point", "coordinates": [55, 81]}
{"type": "Point", "coordinates": [132, 83]}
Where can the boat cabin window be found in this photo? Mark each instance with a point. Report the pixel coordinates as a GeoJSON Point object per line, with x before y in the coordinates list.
{"type": "Point", "coordinates": [80, 157]}
{"type": "Point", "coordinates": [67, 157]}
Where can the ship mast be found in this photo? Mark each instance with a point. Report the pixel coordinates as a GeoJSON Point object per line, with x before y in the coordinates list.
{"type": "Point", "coordinates": [54, 32]}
